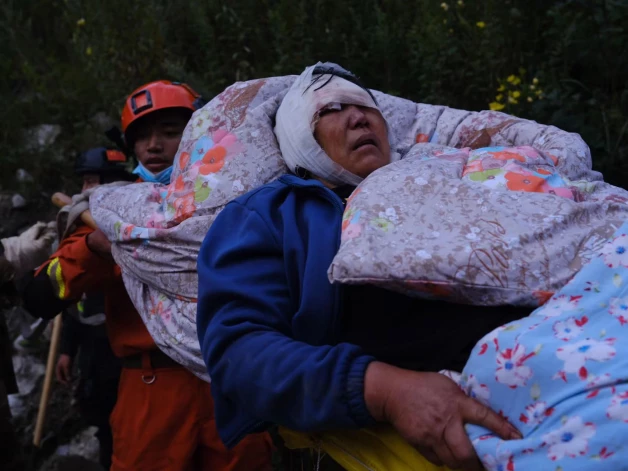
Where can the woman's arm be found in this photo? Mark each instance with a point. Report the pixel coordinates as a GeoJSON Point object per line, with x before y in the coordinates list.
{"type": "Point", "coordinates": [244, 325]}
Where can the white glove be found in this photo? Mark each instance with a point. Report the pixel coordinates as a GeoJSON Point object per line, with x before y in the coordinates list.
{"type": "Point", "coordinates": [31, 248]}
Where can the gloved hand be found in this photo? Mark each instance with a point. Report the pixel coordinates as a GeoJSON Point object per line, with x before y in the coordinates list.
{"type": "Point", "coordinates": [31, 248]}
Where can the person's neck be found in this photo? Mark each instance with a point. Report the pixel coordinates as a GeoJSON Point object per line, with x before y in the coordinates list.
{"type": "Point", "coordinates": [329, 185]}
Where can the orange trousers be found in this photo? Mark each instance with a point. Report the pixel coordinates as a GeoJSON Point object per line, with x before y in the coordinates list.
{"type": "Point", "coordinates": [169, 425]}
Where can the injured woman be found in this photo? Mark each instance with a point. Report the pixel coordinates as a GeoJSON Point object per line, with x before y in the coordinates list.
{"type": "Point", "coordinates": [328, 300]}
{"type": "Point", "coordinates": [284, 346]}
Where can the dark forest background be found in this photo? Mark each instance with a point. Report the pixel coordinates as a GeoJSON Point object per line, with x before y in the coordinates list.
{"type": "Point", "coordinates": [70, 63]}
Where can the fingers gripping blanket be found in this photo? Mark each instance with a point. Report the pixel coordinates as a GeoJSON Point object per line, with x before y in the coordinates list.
{"type": "Point", "coordinates": [229, 148]}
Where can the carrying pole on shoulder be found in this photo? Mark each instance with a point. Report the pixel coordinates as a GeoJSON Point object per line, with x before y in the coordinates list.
{"type": "Point", "coordinates": [60, 200]}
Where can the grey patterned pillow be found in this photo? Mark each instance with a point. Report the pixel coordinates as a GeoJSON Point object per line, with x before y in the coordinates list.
{"type": "Point", "coordinates": [417, 226]}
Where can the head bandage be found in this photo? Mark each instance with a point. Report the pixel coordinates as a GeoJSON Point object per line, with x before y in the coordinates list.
{"type": "Point", "coordinates": [297, 117]}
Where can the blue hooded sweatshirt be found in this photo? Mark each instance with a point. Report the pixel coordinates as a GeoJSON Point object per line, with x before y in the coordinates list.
{"type": "Point", "coordinates": [269, 319]}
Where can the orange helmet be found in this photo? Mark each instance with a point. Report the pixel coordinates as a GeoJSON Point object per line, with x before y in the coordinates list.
{"type": "Point", "coordinates": [156, 96]}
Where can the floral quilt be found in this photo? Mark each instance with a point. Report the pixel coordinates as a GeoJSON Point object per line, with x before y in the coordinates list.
{"type": "Point", "coordinates": [560, 375]}
{"type": "Point", "coordinates": [489, 226]}
{"type": "Point", "coordinates": [229, 148]}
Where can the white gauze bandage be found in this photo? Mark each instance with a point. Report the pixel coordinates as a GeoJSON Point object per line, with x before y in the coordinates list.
{"type": "Point", "coordinates": [296, 119]}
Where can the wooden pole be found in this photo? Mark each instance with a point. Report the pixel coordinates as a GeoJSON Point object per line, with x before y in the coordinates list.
{"type": "Point", "coordinates": [60, 200]}
{"type": "Point", "coordinates": [50, 368]}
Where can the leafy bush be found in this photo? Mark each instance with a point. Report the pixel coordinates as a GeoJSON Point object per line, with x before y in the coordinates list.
{"type": "Point", "coordinates": [559, 62]}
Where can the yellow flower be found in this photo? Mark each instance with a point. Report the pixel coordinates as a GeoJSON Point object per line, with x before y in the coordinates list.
{"type": "Point", "coordinates": [461, 3]}
{"type": "Point", "coordinates": [512, 100]}
{"type": "Point", "coordinates": [532, 87]}
{"type": "Point", "coordinates": [530, 99]}
{"type": "Point", "coordinates": [501, 88]}
{"type": "Point", "coordinates": [496, 106]}
{"type": "Point", "coordinates": [88, 51]}
{"type": "Point", "coordinates": [444, 6]}
{"type": "Point", "coordinates": [535, 81]}
{"type": "Point", "coordinates": [81, 22]}
{"type": "Point", "coordinates": [516, 94]}
{"type": "Point", "coordinates": [513, 79]}
{"type": "Point", "coordinates": [480, 24]}
{"type": "Point", "coordinates": [499, 97]}
{"type": "Point", "coordinates": [538, 92]}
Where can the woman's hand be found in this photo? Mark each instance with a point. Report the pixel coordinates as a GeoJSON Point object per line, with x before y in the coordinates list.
{"type": "Point", "coordinates": [429, 410]}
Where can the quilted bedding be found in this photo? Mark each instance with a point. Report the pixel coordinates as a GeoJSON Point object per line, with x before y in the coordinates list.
{"type": "Point", "coordinates": [228, 149]}
{"type": "Point", "coordinates": [491, 226]}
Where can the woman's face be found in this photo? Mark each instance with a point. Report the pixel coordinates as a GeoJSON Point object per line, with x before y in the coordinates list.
{"type": "Point", "coordinates": [355, 137]}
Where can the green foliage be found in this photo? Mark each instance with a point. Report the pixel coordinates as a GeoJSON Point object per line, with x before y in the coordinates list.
{"type": "Point", "coordinates": [66, 60]}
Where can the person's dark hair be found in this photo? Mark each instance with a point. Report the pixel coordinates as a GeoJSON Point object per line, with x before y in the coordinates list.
{"type": "Point", "coordinates": [335, 71]}
{"type": "Point", "coordinates": [303, 173]}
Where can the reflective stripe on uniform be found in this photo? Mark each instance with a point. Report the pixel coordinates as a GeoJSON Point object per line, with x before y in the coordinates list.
{"type": "Point", "coordinates": [56, 277]}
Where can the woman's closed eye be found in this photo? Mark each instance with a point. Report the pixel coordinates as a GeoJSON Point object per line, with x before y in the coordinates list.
{"type": "Point", "coordinates": [331, 108]}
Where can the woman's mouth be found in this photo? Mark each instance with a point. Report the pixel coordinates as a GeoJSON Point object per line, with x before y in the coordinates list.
{"type": "Point", "coordinates": [366, 140]}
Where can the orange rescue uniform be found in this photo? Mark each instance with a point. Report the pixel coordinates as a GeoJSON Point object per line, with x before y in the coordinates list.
{"type": "Point", "coordinates": [164, 417]}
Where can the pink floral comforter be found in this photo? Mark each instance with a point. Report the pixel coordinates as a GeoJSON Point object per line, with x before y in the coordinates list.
{"type": "Point", "coordinates": [229, 148]}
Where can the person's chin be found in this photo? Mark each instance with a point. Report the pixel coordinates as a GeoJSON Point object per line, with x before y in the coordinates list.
{"type": "Point", "coordinates": [370, 163]}
{"type": "Point", "coordinates": [157, 168]}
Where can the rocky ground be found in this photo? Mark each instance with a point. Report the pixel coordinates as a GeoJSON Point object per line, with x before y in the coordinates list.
{"type": "Point", "coordinates": [68, 443]}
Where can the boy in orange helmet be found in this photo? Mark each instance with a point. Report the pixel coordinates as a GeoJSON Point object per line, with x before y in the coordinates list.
{"type": "Point", "coordinates": [164, 418]}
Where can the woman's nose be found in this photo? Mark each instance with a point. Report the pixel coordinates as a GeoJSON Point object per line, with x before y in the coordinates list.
{"type": "Point", "coordinates": [357, 117]}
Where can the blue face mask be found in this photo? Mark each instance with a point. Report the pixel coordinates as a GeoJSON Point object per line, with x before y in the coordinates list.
{"type": "Point", "coordinates": [162, 177]}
